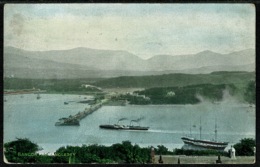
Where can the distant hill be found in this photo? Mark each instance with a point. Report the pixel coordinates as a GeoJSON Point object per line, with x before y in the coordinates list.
{"type": "Point", "coordinates": [204, 59]}
{"type": "Point", "coordinates": [210, 69]}
{"type": "Point", "coordinates": [94, 63]}
{"type": "Point", "coordinates": [173, 80]}
{"type": "Point", "coordinates": [26, 67]}
{"type": "Point", "coordinates": [96, 59]}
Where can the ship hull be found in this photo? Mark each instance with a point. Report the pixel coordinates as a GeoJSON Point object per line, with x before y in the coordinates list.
{"type": "Point", "coordinates": [205, 144]}
{"type": "Point", "coordinates": [120, 127]}
{"type": "Point", "coordinates": [138, 128]}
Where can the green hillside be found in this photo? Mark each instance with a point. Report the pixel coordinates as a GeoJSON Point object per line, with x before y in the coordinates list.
{"type": "Point", "coordinates": [161, 89]}
{"type": "Point", "coordinates": [191, 94]}
{"type": "Point", "coordinates": [171, 80]}
{"type": "Point", "coordinates": [50, 85]}
{"type": "Point", "coordinates": [187, 94]}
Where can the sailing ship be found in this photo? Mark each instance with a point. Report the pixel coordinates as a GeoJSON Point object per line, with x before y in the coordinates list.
{"type": "Point", "coordinates": [203, 144]}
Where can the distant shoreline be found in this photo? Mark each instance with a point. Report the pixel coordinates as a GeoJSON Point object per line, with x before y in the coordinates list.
{"type": "Point", "coordinates": [118, 103]}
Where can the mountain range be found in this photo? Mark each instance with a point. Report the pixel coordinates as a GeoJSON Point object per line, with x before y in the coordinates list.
{"type": "Point", "coordinates": [94, 63]}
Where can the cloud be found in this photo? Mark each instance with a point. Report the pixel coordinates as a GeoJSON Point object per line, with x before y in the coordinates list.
{"type": "Point", "coordinates": [17, 24]}
{"type": "Point", "coordinates": [180, 29]}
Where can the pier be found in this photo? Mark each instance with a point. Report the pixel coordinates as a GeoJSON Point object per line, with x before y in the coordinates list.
{"type": "Point", "coordinates": [86, 112]}
{"type": "Point", "coordinates": [74, 120]}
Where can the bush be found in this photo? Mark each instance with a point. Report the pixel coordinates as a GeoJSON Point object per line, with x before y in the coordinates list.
{"type": "Point", "coordinates": [245, 147]}
{"type": "Point", "coordinates": [198, 152]}
{"type": "Point", "coordinates": [162, 150]}
{"type": "Point", "coordinates": [21, 151]}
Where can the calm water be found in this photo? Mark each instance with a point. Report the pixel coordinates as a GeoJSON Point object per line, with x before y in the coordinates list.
{"type": "Point", "coordinates": [34, 119]}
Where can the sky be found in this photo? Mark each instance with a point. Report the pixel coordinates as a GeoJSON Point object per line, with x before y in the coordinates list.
{"type": "Point", "coordinates": [142, 29]}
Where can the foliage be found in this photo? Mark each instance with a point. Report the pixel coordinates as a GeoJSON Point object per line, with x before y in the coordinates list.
{"type": "Point", "coordinates": [176, 79]}
{"type": "Point", "coordinates": [162, 150]}
{"type": "Point", "coordinates": [51, 85]}
{"type": "Point", "coordinates": [134, 99]}
{"type": "Point", "coordinates": [124, 152]}
{"type": "Point", "coordinates": [198, 152]}
{"type": "Point", "coordinates": [180, 95]}
{"type": "Point", "coordinates": [166, 80]}
{"type": "Point", "coordinates": [245, 147]}
{"type": "Point", "coordinates": [15, 149]}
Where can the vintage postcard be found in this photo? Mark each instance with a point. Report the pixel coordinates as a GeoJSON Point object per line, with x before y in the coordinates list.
{"type": "Point", "coordinates": [129, 83]}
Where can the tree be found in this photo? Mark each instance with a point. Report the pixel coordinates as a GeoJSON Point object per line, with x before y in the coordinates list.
{"type": "Point", "coordinates": [161, 150]}
{"type": "Point", "coordinates": [21, 151]}
{"type": "Point", "coordinates": [245, 147]}
{"type": "Point", "coordinates": [61, 159]}
{"type": "Point", "coordinates": [124, 152]}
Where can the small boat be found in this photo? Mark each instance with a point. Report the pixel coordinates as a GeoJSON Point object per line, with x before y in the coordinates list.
{"type": "Point", "coordinates": [66, 102]}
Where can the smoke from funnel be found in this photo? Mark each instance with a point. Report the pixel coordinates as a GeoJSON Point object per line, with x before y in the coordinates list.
{"type": "Point", "coordinates": [121, 119]}
{"type": "Point", "coordinates": [137, 120]}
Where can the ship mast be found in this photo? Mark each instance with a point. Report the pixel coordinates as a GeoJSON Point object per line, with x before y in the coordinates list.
{"type": "Point", "coordinates": [216, 129]}
{"type": "Point", "coordinates": [190, 129]}
{"type": "Point", "coordinates": [200, 128]}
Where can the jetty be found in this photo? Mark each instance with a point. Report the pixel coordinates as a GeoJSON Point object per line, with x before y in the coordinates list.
{"type": "Point", "coordinates": [73, 120]}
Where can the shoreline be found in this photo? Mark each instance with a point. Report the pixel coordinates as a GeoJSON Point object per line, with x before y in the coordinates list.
{"type": "Point", "coordinates": [119, 103]}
